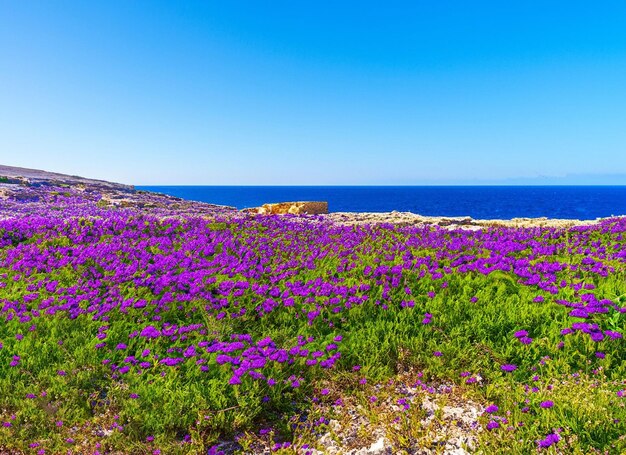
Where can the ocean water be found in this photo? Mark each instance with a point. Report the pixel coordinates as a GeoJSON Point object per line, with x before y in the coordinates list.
{"type": "Point", "coordinates": [483, 202]}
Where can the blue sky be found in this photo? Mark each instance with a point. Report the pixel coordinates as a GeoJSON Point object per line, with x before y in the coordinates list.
{"type": "Point", "coordinates": [286, 92]}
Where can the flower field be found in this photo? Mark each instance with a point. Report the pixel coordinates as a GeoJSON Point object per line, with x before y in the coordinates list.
{"type": "Point", "coordinates": [125, 330]}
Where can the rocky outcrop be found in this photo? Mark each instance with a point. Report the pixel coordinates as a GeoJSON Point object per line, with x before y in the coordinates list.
{"type": "Point", "coordinates": [35, 177]}
{"type": "Point", "coordinates": [295, 208]}
{"type": "Point", "coordinates": [28, 190]}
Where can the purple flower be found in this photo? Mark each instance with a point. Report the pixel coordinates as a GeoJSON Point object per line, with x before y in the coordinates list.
{"type": "Point", "coordinates": [613, 335]}
{"type": "Point", "coordinates": [549, 440]}
{"type": "Point", "coordinates": [491, 409]}
{"type": "Point", "coordinates": [171, 361]}
{"type": "Point", "coordinates": [547, 404]}
{"type": "Point", "coordinates": [579, 313]}
{"type": "Point", "coordinates": [223, 358]}
{"type": "Point", "coordinates": [596, 336]}
{"type": "Point", "coordinates": [150, 332]}
{"type": "Point", "coordinates": [509, 368]}
{"type": "Point", "coordinates": [492, 425]}
{"type": "Point", "coordinates": [190, 351]}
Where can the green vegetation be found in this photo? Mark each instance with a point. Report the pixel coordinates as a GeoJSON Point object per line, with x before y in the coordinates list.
{"type": "Point", "coordinates": [132, 333]}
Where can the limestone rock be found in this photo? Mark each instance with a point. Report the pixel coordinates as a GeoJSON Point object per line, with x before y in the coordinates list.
{"type": "Point", "coordinates": [295, 208]}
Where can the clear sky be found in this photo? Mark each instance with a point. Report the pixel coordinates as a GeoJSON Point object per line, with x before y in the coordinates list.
{"type": "Point", "coordinates": [294, 92]}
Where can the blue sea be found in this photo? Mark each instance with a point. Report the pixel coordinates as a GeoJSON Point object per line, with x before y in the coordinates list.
{"type": "Point", "coordinates": [481, 202]}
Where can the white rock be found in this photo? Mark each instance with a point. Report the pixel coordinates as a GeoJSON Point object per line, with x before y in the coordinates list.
{"type": "Point", "coordinates": [377, 447]}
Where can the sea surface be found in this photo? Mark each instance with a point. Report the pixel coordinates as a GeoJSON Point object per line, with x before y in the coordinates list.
{"type": "Point", "coordinates": [479, 202]}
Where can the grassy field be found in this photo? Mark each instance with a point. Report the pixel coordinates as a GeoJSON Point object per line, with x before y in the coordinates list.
{"type": "Point", "coordinates": [127, 333]}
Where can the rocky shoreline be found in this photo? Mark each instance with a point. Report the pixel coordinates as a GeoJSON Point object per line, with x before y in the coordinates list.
{"type": "Point", "coordinates": [412, 219]}
{"type": "Point", "coordinates": [407, 218]}
{"type": "Point", "coordinates": [29, 185]}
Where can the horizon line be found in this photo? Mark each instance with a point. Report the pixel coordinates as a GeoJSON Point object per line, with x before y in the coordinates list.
{"type": "Point", "coordinates": [384, 185]}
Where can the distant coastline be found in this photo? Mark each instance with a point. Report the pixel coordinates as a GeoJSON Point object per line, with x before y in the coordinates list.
{"type": "Point", "coordinates": [465, 207]}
